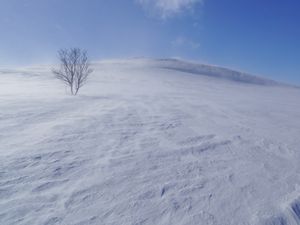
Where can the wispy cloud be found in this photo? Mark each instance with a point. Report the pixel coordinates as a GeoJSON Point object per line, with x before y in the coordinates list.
{"type": "Point", "coordinates": [183, 42]}
{"type": "Point", "coordinates": [168, 8]}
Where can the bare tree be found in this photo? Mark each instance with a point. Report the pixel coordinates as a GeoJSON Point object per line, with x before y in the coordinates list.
{"type": "Point", "coordinates": [74, 68]}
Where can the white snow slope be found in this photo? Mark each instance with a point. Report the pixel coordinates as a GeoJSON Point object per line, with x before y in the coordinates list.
{"type": "Point", "coordinates": [149, 142]}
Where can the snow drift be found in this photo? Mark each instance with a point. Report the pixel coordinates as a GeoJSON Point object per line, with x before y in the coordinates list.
{"type": "Point", "coordinates": [149, 142]}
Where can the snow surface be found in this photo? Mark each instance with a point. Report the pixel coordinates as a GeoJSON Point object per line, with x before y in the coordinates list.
{"type": "Point", "coordinates": [149, 142]}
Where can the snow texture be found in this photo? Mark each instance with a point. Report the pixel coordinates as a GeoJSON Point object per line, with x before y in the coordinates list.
{"type": "Point", "coordinates": [149, 142]}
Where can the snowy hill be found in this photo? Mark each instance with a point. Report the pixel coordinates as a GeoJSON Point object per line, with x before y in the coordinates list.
{"type": "Point", "coordinates": [212, 71]}
{"type": "Point", "coordinates": [149, 142]}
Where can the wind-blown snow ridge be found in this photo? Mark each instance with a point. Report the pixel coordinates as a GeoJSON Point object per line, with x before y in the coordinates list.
{"type": "Point", "coordinates": [214, 71]}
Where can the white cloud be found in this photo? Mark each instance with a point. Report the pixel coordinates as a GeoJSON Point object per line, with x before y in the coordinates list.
{"type": "Point", "coordinates": [168, 8]}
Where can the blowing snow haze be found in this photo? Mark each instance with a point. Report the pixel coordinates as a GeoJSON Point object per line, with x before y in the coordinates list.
{"type": "Point", "coordinates": [157, 134]}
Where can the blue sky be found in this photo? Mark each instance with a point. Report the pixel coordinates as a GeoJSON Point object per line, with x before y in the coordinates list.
{"type": "Point", "coordinates": [257, 36]}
